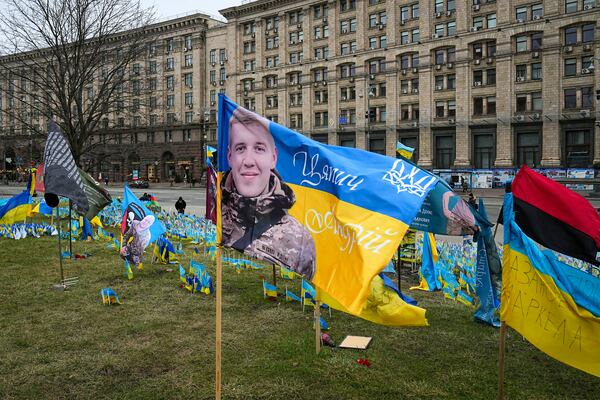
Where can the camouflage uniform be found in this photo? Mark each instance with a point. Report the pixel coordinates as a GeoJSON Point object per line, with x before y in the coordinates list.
{"type": "Point", "coordinates": [262, 228]}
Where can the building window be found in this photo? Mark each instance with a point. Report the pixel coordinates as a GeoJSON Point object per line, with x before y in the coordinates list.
{"type": "Point", "coordinates": [377, 143]}
{"type": "Point", "coordinates": [348, 25]}
{"type": "Point", "coordinates": [578, 148]}
{"type": "Point", "coordinates": [347, 70]}
{"type": "Point", "coordinates": [439, 82]}
{"type": "Point", "coordinates": [521, 13]}
{"type": "Point", "coordinates": [491, 105]}
{"type": "Point", "coordinates": [483, 149]}
{"type": "Point", "coordinates": [451, 79]}
{"type": "Point", "coordinates": [189, 99]}
{"type": "Point", "coordinates": [444, 151]}
{"type": "Point", "coordinates": [439, 6]}
{"type": "Point", "coordinates": [170, 101]}
{"type": "Point", "coordinates": [321, 119]}
{"type": "Point", "coordinates": [571, 35]}
{"type": "Point", "coordinates": [170, 82]}
{"type": "Point", "coordinates": [347, 5]}
{"type": "Point", "coordinates": [271, 23]}
{"type": "Point", "coordinates": [537, 11]}
{"type": "Point", "coordinates": [588, 33]}
{"type": "Point", "coordinates": [415, 35]}
{"type": "Point", "coordinates": [451, 108]}
{"type": "Point", "coordinates": [439, 109]}
{"type": "Point", "coordinates": [522, 43]}
{"type": "Point", "coordinates": [536, 71]}
{"type": "Point", "coordinates": [521, 102]}
{"type": "Point", "coordinates": [570, 66]}
{"type": "Point", "coordinates": [528, 149]}
{"type": "Point", "coordinates": [570, 97]}
{"type": "Point", "coordinates": [478, 106]}
{"type": "Point", "coordinates": [296, 121]}
{"type": "Point", "coordinates": [490, 76]}
{"type": "Point", "coordinates": [347, 93]}
{"type": "Point", "coordinates": [491, 20]}
{"type": "Point", "coordinates": [536, 41]}
{"type": "Point", "coordinates": [587, 97]}
{"type": "Point", "coordinates": [571, 6]}
{"type": "Point", "coordinates": [537, 103]}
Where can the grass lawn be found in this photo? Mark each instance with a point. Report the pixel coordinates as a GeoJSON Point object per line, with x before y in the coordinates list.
{"type": "Point", "coordinates": [160, 343]}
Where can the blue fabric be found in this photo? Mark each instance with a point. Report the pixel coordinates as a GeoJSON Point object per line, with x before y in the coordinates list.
{"type": "Point", "coordinates": [390, 284]}
{"type": "Point", "coordinates": [584, 288]}
{"type": "Point", "coordinates": [157, 228]}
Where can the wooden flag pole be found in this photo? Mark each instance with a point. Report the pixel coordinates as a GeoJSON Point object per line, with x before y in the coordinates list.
{"type": "Point", "coordinates": [218, 321]}
{"type": "Point", "coordinates": [317, 323]}
{"type": "Point", "coordinates": [219, 279]}
{"type": "Point", "coordinates": [274, 275]}
{"type": "Point", "coordinates": [502, 352]}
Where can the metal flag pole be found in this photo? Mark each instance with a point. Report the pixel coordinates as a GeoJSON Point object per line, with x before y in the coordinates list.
{"type": "Point", "coordinates": [62, 275]}
{"type": "Point", "coordinates": [70, 232]}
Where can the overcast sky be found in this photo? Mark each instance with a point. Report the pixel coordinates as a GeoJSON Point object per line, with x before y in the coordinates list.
{"type": "Point", "coordinates": [171, 8]}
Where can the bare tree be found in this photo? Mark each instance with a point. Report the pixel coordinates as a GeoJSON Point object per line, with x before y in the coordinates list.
{"type": "Point", "coordinates": [72, 60]}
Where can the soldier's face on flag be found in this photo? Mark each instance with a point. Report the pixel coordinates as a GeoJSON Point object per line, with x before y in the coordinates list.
{"type": "Point", "coordinates": [251, 156]}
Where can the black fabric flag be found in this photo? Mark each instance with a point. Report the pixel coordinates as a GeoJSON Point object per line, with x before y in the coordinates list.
{"type": "Point", "coordinates": [98, 197]}
{"type": "Point", "coordinates": [61, 175]}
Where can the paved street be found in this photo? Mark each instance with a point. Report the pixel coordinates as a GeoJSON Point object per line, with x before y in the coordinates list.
{"type": "Point", "coordinates": [165, 195]}
{"type": "Point", "coordinates": [196, 199]}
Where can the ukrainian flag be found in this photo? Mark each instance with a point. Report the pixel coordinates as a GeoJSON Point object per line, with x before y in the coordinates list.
{"type": "Point", "coordinates": [269, 290]}
{"type": "Point", "coordinates": [356, 205]}
{"type": "Point", "coordinates": [555, 306]}
{"type": "Point", "coordinates": [404, 151]}
{"type": "Point", "coordinates": [16, 208]}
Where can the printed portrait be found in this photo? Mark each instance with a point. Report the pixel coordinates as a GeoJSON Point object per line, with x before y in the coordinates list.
{"type": "Point", "coordinates": [255, 200]}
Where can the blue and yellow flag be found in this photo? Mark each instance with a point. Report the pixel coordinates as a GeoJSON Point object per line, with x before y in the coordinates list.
{"type": "Point", "coordinates": [404, 151]}
{"type": "Point", "coordinates": [133, 209]}
{"type": "Point", "coordinates": [335, 215]}
{"type": "Point", "coordinates": [109, 296]}
{"type": "Point", "coordinates": [16, 209]}
{"type": "Point", "coordinates": [555, 306]}
{"type": "Point", "coordinates": [429, 258]}
{"type": "Point", "coordinates": [269, 290]}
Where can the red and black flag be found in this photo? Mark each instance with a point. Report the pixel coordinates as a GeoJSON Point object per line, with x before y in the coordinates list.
{"type": "Point", "coordinates": [556, 217]}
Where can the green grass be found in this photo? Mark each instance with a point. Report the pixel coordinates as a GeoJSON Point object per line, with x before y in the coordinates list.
{"type": "Point", "coordinates": [160, 343]}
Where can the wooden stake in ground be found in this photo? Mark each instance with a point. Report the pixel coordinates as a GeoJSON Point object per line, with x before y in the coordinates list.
{"type": "Point", "coordinates": [502, 352]}
{"type": "Point", "coordinates": [219, 278]}
{"type": "Point", "coordinates": [317, 323]}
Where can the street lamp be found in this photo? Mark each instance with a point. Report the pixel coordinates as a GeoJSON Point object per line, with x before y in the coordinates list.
{"type": "Point", "coordinates": [369, 115]}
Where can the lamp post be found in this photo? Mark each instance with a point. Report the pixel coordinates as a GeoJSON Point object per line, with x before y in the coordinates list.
{"type": "Point", "coordinates": [370, 94]}
{"type": "Point", "coordinates": [203, 138]}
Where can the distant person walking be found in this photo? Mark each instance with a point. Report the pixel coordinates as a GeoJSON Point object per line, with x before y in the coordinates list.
{"type": "Point", "coordinates": [180, 205]}
{"type": "Point", "coordinates": [106, 180]}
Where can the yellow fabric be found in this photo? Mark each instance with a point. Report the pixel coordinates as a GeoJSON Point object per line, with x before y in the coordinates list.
{"type": "Point", "coordinates": [383, 306]}
{"type": "Point", "coordinates": [349, 254]}
{"type": "Point", "coordinates": [550, 319]}
{"type": "Point", "coordinates": [17, 214]}
{"type": "Point", "coordinates": [96, 221]}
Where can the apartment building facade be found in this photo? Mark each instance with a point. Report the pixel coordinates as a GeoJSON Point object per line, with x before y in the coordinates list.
{"type": "Point", "coordinates": [468, 84]}
{"type": "Point", "coordinates": [160, 132]}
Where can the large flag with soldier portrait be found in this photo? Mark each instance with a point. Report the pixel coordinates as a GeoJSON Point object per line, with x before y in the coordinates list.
{"type": "Point", "coordinates": [334, 215]}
